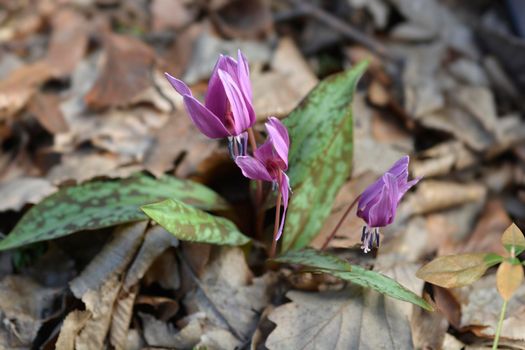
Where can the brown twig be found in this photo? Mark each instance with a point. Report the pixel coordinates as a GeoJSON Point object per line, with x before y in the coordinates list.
{"type": "Point", "coordinates": [336, 228]}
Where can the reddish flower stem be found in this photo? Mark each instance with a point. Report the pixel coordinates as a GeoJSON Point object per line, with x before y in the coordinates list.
{"type": "Point", "coordinates": [259, 212]}
{"type": "Point", "coordinates": [336, 228]}
{"type": "Point", "coordinates": [276, 225]}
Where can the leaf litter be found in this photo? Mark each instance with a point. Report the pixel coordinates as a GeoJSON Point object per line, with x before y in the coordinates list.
{"type": "Point", "coordinates": [83, 99]}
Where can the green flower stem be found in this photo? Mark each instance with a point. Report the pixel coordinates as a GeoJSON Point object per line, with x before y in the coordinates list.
{"type": "Point", "coordinates": [500, 324]}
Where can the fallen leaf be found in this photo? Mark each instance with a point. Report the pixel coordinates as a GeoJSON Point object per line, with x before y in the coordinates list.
{"type": "Point", "coordinates": [20, 85]}
{"type": "Point", "coordinates": [156, 241]}
{"type": "Point", "coordinates": [73, 323]}
{"type": "Point", "coordinates": [112, 260]}
{"type": "Point", "coordinates": [481, 305]}
{"type": "Point", "coordinates": [433, 195]}
{"type": "Point", "coordinates": [68, 42]}
{"type": "Point", "coordinates": [245, 20]}
{"type": "Point", "coordinates": [348, 319]}
{"type": "Point", "coordinates": [126, 72]}
{"type": "Point", "coordinates": [227, 284]}
{"type": "Point", "coordinates": [22, 190]}
{"type": "Point", "coordinates": [100, 302]}
{"type": "Point", "coordinates": [121, 317]}
{"type": "Point", "coordinates": [169, 14]}
{"type": "Point", "coordinates": [45, 108]}
{"type": "Point", "coordinates": [191, 144]}
{"type": "Point", "coordinates": [24, 306]}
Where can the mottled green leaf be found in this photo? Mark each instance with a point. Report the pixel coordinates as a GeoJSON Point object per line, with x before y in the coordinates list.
{"type": "Point", "coordinates": [513, 240]}
{"type": "Point", "coordinates": [313, 258]}
{"type": "Point", "coordinates": [335, 266]}
{"type": "Point", "coordinates": [191, 224]}
{"type": "Point", "coordinates": [459, 270]}
{"type": "Point", "coordinates": [104, 203]}
{"type": "Point", "coordinates": [320, 155]}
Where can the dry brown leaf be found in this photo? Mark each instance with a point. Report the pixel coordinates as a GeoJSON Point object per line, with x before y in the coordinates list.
{"type": "Point", "coordinates": [17, 89]}
{"type": "Point", "coordinates": [435, 195]}
{"type": "Point", "coordinates": [24, 306]}
{"type": "Point", "coordinates": [508, 279]}
{"type": "Point", "coordinates": [348, 319]}
{"type": "Point", "coordinates": [164, 271]}
{"type": "Point", "coordinates": [161, 334]}
{"type": "Point", "coordinates": [481, 305]}
{"type": "Point", "coordinates": [112, 260]}
{"type": "Point", "coordinates": [126, 72]}
{"type": "Point", "coordinates": [69, 41]}
{"type": "Point", "coordinates": [100, 302]}
{"type": "Point", "coordinates": [280, 90]}
{"type": "Point", "coordinates": [208, 47]}
{"type": "Point", "coordinates": [45, 108]}
{"type": "Point", "coordinates": [228, 284]}
{"type": "Point", "coordinates": [22, 190]}
{"type": "Point", "coordinates": [443, 159]}
{"type": "Point", "coordinates": [81, 167]}
{"type": "Point", "coordinates": [486, 236]}
{"type": "Point", "coordinates": [165, 308]}
{"type": "Point", "coordinates": [190, 143]}
{"type": "Point", "coordinates": [244, 19]}
{"type": "Point", "coordinates": [170, 14]}
{"type": "Point", "coordinates": [156, 241]}
{"type": "Point", "coordinates": [121, 317]}
{"type": "Point", "coordinates": [73, 323]}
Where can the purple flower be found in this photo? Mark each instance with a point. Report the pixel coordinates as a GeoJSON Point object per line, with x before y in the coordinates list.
{"type": "Point", "coordinates": [270, 162]}
{"type": "Point", "coordinates": [227, 110]}
{"type": "Point", "coordinates": [378, 203]}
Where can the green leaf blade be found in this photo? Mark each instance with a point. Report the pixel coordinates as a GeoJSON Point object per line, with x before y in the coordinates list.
{"type": "Point", "coordinates": [190, 224]}
{"type": "Point", "coordinates": [99, 204]}
{"type": "Point", "coordinates": [320, 155]}
{"type": "Point", "coordinates": [327, 263]}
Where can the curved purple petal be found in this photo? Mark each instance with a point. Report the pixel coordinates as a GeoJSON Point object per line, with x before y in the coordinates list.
{"type": "Point", "coordinates": [241, 114]}
{"type": "Point", "coordinates": [279, 136]}
{"type": "Point", "coordinates": [406, 187]}
{"type": "Point", "coordinates": [243, 75]}
{"type": "Point", "coordinates": [253, 168]}
{"type": "Point", "coordinates": [400, 170]}
{"type": "Point", "coordinates": [178, 85]}
{"type": "Point", "coordinates": [369, 196]}
{"type": "Point", "coordinates": [284, 187]}
{"type": "Point", "coordinates": [204, 119]}
{"type": "Point", "coordinates": [265, 153]}
{"type": "Point", "coordinates": [382, 212]}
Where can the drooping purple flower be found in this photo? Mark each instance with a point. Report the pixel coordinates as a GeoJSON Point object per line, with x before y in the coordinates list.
{"type": "Point", "coordinates": [270, 162]}
{"type": "Point", "coordinates": [378, 203]}
{"type": "Point", "coordinates": [227, 110]}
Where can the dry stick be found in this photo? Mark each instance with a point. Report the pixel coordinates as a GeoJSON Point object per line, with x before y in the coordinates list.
{"type": "Point", "coordinates": [276, 225]}
{"type": "Point", "coordinates": [259, 212]}
{"type": "Point", "coordinates": [336, 228]}
{"type": "Point", "coordinates": [343, 28]}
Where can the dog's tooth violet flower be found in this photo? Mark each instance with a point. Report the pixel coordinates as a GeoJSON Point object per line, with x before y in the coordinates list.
{"type": "Point", "coordinates": [270, 162]}
{"type": "Point", "coordinates": [378, 203]}
{"type": "Point", "coordinates": [227, 110]}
